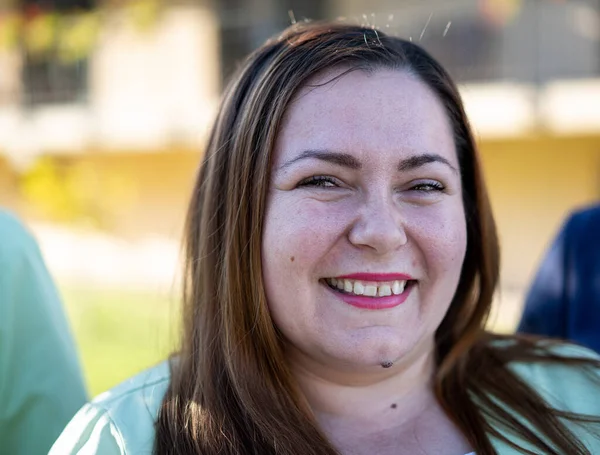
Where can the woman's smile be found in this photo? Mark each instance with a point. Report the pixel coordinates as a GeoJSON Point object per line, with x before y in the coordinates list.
{"type": "Point", "coordinates": [371, 291]}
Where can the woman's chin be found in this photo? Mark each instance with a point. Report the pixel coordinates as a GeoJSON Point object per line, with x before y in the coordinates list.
{"type": "Point", "coordinates": [359, 351]}
{"type": "Point", "coordinates": [369, 353]}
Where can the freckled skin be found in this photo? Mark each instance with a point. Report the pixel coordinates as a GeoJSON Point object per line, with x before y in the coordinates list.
{"type": "Point", "coordinates": [370, 220]}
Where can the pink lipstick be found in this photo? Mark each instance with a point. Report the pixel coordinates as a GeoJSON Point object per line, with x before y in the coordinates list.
{"type": "Point", "coordinates": [372, 283]}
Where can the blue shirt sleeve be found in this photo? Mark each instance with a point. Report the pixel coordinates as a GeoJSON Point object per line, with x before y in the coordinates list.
{"type": "Point", "coordinates": [545, 311]}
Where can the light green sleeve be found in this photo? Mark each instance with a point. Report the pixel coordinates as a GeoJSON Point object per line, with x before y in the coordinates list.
{"type": "Point", "coordinates": [41, 386]}
{"type": "Point", "coordinates": [564, 387]}
{"type": "Point", "coordinates": [91, 432]}
{"type": "Point", "coordinates": [120, 421]}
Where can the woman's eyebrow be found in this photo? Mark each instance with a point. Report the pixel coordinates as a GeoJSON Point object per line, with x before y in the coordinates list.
{"type": "Point", "coordinates": [416, 161]}
{"type": "Point", "coordinates": [341, 159]}
{"type": "Point", "coordinates": [349, 161]}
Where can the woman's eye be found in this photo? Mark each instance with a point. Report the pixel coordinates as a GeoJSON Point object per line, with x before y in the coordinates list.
{"type": "Point", "coordinates": [319, 181]}
{"type": "Point", "coordinates": [428, 187]}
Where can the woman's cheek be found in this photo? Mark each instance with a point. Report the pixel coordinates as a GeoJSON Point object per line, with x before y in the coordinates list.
{"type": "Point", "coordinates": [439, 230]}
{"type": "Point", "coordinates": [315, 215]}
{"type": "Point", "coordinates": [302, 229]}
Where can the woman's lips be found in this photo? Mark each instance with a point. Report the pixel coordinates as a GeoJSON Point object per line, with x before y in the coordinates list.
{"type": "Point", "coordinates": [381, 298]}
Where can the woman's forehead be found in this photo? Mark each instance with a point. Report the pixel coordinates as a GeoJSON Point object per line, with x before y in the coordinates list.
{"type": "Point", "coordinates": [359, 110]}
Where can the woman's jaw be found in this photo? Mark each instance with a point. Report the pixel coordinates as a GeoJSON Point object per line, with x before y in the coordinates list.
{"type": "Point", "coordinates": [333, 392]}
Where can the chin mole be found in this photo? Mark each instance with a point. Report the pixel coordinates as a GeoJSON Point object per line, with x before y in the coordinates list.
{"type": "Point", "coordinates": [393, 406]}
{"type": "Point", "coordinates": [292, 259]}
{"type": "Point", "coordinates": [386, 364]}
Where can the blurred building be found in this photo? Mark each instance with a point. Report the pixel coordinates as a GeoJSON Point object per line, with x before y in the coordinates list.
{"type": "Point", "coordinates": [109, 105]}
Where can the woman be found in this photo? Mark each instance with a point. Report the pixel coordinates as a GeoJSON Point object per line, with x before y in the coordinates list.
{"type": "Point", "coordinates": [341, 261]}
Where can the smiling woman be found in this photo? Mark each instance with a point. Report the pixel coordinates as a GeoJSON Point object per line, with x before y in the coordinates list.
{"type": "Point", "coordinates": [374, 209]}
{"type": "Point", "coordinates": [341, 262]}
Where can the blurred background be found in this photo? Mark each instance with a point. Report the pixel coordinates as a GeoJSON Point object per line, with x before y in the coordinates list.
{"type": "Point", "coordinates": [105, 107]}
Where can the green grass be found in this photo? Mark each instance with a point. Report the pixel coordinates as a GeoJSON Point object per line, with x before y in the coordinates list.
{"type": "Point", "coordinates": [120, 333]}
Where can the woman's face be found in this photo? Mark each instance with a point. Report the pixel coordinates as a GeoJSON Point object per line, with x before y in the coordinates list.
{"type": "Point", "coordinates": [365, 230]}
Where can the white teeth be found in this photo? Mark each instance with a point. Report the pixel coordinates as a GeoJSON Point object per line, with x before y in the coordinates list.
{"type": "Point", "coordinates": [398, 287]}
{"type": "Point", "coordinates": [358, 289]}
{"type": "Point", "coordinates": [348, 287]}
{"type": "Point", "coordinates": [384, 290]}
{"type": "Point", "coordinates": [371, 289]}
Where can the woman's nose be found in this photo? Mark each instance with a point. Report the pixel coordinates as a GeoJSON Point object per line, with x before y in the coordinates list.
{"type": "Point", "coordinates": [379, 226]}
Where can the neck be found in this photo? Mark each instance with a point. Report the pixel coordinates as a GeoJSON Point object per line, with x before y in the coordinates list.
{"type": "Point", "coordinates": [395, 394]}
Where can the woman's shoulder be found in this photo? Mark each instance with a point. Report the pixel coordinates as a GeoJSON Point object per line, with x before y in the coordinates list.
{"type": "Point", "coordinates": [566, 376]}
{"type": "Point", "coordinates": [119, 421]}
{"type": "Point", "coordinates": [563, 380]}
{"type": "Point", "coordinates": [16, 242]}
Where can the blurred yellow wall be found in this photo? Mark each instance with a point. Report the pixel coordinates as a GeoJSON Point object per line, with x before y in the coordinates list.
{"type": "Point", "coordinates": [534, 183]}
{"type": "Point", "coordinates": [8, 190]}
{"type": "Point", "coordinates": [149, 191]}
{"type": "Point", "coordinates": [131, 195]}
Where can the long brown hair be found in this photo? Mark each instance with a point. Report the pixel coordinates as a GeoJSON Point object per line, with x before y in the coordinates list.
{"type": "Point", "coordinates": [231, 390]}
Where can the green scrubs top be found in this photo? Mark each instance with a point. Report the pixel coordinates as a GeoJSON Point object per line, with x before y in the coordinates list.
{"type": "Point", "coordinates": [121, 421]}
{"type": "Point", "coordinates": [41, 386]}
